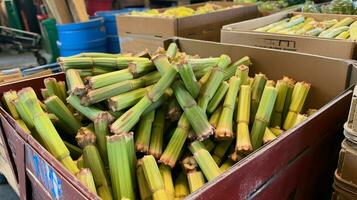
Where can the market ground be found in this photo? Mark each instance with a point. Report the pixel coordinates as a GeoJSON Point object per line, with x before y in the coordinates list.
{"type": "Point", "coordinates": [10, 59]}
{"type": "Point", "coordinates": [6, 192]}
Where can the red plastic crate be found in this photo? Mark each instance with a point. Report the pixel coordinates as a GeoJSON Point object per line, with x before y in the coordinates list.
{"type": "Point", "coordinates": [98, 5]}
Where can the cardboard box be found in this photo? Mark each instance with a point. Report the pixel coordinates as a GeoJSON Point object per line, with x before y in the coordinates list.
{"type": "Point", "coordinates": [241, 33]}
{"type": "Point", "coordinates": [347, 163]}
{"type": "Point", "coordinates": [308, 149]}
{"type": "Point", "coordinates": [203, 27]}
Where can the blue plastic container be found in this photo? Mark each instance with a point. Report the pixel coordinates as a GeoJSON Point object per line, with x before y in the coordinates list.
{"type": "Point", "coordinates": [110, 21]}
{"type": "Point", "coordinates": [82, 37]}
{"type": "Point", "coordinates": [99, 45]}
{"type": "Point", "coordinates": [113, 45]}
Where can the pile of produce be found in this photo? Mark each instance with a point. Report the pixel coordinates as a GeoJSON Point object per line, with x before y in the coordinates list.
{"type": "Point", "coordinates": [272, 6]}
{"type": "Point", "coordinates": [181, 11]}
{"type": "Point", "coordinates": [299, 25]}
{"type": "Point", "coordinates": [347, 7]}
{"type": "Point", "coordinates": [155, 126]}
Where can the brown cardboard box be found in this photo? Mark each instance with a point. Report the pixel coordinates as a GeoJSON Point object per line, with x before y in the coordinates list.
{"type": "Point", "coordinates": [297, 151]}
{"type": "Point", "coordinates": [347, 163]}
{"type": "Point", "coordinates": [203, 27]}
{"type": "Point", "coordinates": [241, 33]}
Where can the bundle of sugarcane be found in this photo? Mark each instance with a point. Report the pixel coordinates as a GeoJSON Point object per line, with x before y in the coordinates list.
{"type": "Point", "coordinates": [346, 28]}
{"type": "Point", "coordinates": [156, 127]}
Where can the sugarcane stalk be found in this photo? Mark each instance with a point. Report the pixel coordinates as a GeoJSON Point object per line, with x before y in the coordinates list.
{"type": "Point", "coordinates": [161, 62]}
{"type": "Point", "coordinates": [209, 144]}
{"type": "Point", "coordinates": [203, 80]}
{"type": "Point", "coordinates": [270, 26]}
{"type": "Point", "coordinates": [220, 150]}
{"type": "Point", "coordinates": [198, 64]}
{"type": "Point", "coordinates": [215, 117]}
{"type": "Point", "coordinates": [299, 119]}
{"type": "Point", "coordinates": [204, 160]}
{"type": "Point", "coordinates": [188, 78]}
{"type": "Point", "coordinates": [181, 186]}
{"type": "Point", "coordinates": [257, 91]}
{"type": "Point", "coordinates": [301, 89]}
{"type": "Point", "coordinates": [292, 22]}
{"type": "Point", "coordinates": [174, 110]}
{"type": "Point", "coordinates": [243, 144]}
{"type": "Point", "coordinates": [52, 87]}
{"type": "Point", "coordinates": [172, 50]}
{"type": "Point", "coordinates": [97, 95]}
{"type": "Point", "coordinates": [84, 73]}
{"type": "Point", "coordinates": [243, 74]}
{"type": "Point", "coordinates": [8, 98]}
{"type": "Point", "coordinates": [262, 117]}
{"type": "Point", "coordinates": [224, 128]}
{"type": "Point", "coordinates": [49, 135]}
{"type": "Point", "coordinates": [344, 22]}
{"type": "Point", "coordinates": [101, 124]}
{"type": "Point", "coordinates": [268, 136]}
{"type": "Point", "coordinates": [119, 166]}
{"type": "Point", "coordinates": [218, 96]}
{"type": "Point", "coordinates": [24, 113]}
{"type": "Point", "coordinates": [333, 32]}
{"type": "Point", "coordinates": [132, 116]}
{"type": "Point", "coordinates": [101, 70]}
{"type": "Point", "coordinates": [154, 178]}
{"type": "Point", "coordinates": [86, 140]}
{"type": "Point", "coordinates": [91, 112]}
{"type": "Point", "coordinates": [119, 62]}
{"type": "Point", "coordinates": [166, 175]}
{"type": "Point", "coordinates": [125, 100]}
{"type": "Point", "coordinates": [57, 107]}
{"type": "Point", "coordinates": [80, 162]}
{"type": "Point", "coordinates": [110, 78]}
{"type": "Point", "coordinates": [129, 140]}
{"type": "Point", "coordinates": [85, 177]}
{"type": "Point", "coordinates": [195, 180]}
{"type": "Point", "coordinates": [144, 190]}
{"type": "Point", "coordinates": [141, 67]}
{"type": "Point", "coordinates": [155, 105]}
{"type": "Point", "coordinates": [74, 151]}
{"type": "Point", "coordinates": [276, 118]}
{"type": "Point", "coordinates": [216, 77]}
{"type": "Point", "coordinates": [62, 88]}
{"type": "Point", "coordinates": [44, 93]}
{"type": "Point", "coordinates": [235, 157]}
{"type": "Point", "coordinates": [143, 134]}
{"type": "Point", "coordinates": [157, 134]}
{"type": "Point", "coordinates": [175, 145]}
{"type": "Point", "coordinates": [194, 114]}
{"type": "Point", "coordinates": [22, 124]}
{"type": "Point", "coordinates": [75, 83]}
{"type": "Point", "coordinates": [289, 94]}
{"type": "Point", "coordinates": [344, 35]}
{"type": "Point", "coordinates": [232, 69]}
{"type": "Point", "coordinates": [276, 130]}
{"type": "Point", "coordinates": [226, 165]}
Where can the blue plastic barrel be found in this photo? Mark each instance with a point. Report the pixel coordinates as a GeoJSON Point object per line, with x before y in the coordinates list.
{"type": "Point", "coordinates": [110, 21]}
{"type": "Point", "coordinates": [82, 37]}
{"type": "Point", "coordinates": [99, 45]}
{"type": "Point", "coordinates": [113, 44]}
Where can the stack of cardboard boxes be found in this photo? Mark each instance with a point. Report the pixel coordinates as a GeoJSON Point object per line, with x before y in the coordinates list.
{"type": "Point", "coordinates": [345, 185]}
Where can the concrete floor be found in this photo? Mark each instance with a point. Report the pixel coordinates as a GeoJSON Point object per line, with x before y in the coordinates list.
{"type": "Point", "coordinates": [12, 59]}
{"type": "Point", "coordinates": [6, 192]}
